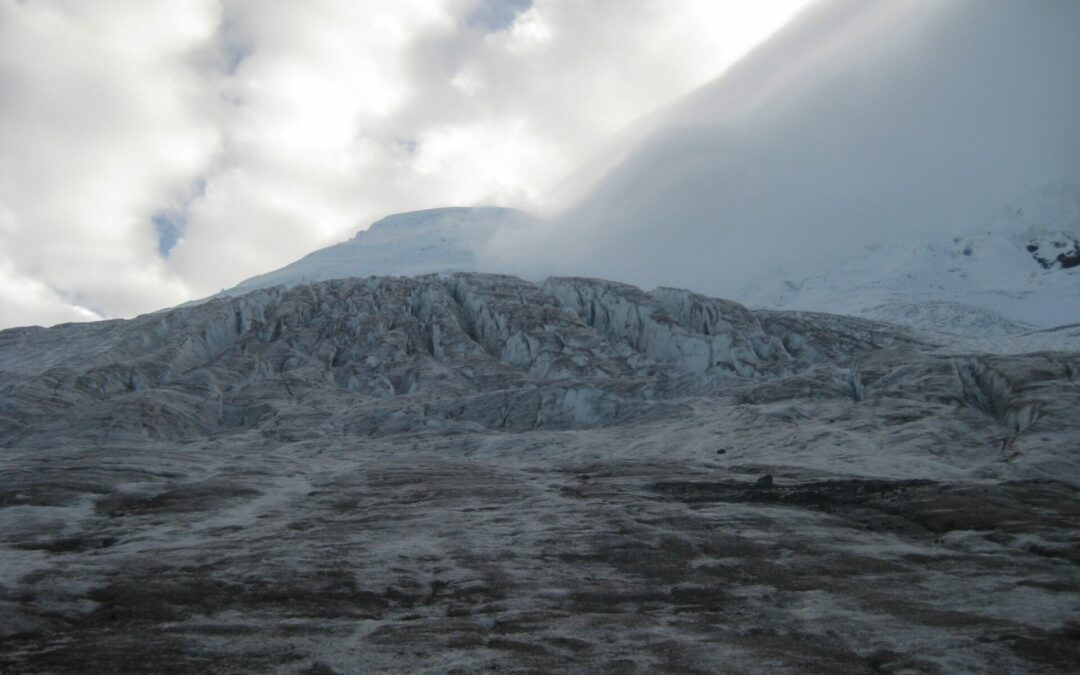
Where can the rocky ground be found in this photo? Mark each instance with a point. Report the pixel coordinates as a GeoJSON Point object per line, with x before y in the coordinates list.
{"type": "Point", "coordinates": [474, 473]}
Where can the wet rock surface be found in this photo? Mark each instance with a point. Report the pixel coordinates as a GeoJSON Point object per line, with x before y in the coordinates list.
{"type": "Point", "coordinates": [473, 473]}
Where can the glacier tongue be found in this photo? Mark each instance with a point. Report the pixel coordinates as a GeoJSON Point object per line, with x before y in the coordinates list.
{"type": "Point", "coordinates": [467, 472]}
{"type": "Point", "coordinates": [465, 352]}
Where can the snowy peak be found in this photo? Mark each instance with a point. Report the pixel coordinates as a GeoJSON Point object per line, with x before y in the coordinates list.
{"type": "Point", "coordinates": [404, 244]}
{"type": "Point", "coordinates": [442, 220]}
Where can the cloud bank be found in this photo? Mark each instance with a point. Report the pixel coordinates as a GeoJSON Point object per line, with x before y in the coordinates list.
{"type": "Point", "coordinates": [153, 152]}
{"type": "Point", "coordinates": [859, 124]}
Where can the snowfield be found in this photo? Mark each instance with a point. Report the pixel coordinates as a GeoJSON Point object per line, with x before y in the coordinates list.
{"type": "Point", "coordinates": [986, 284]}
{"type": "Point", "coordinates": [846, 165]}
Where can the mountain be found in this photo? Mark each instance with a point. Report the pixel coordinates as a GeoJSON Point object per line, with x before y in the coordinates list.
{"type": "Point", "coordinates": [987, 284]}
{"type": "Point", "coordinates": [371, 461]}
{"type": "Point", "coordinates": [886, 160]}
{"type": "Point", "coordinates": [404, 244]}
{"type": "Point", "coordinates": [468, 472]}
{"type": "Point", "coordinates": [856, 155]}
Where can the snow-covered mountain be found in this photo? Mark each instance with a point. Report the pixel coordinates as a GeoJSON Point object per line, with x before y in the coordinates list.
{"type": "Point", "coordinates": [369, 461]}
{"type": "Point", "coordinates": [404, 244]}
{"type": "Point", "coordinates": [888, 160]}
{"type": "Point", "coordinates": [848, 164]}
{"type": "Point", "coordinates": [985, 284]}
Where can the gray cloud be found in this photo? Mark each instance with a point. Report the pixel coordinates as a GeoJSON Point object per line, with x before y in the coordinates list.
{"type": "Point", "coordinates": [152, 152]}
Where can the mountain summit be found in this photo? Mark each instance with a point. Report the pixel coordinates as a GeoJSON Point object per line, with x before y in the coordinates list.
{"type": "Point", "coordinates": [404, 244]}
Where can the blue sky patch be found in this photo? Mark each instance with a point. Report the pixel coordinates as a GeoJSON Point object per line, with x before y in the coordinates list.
{"type": "Point", "coordinates": [171, 222]}
{"type": "Point", "coordinates": [496, 15]}
{"type": "Point", "coordinates": [169, 225]}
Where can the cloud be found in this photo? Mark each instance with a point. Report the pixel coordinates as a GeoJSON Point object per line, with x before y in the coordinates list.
{"type": "Point", "coordinates": [151, 153]}
{"type": "Point", "coordinates": [101, 123]}
{"type": "Point", "coordinates": [861, 124]}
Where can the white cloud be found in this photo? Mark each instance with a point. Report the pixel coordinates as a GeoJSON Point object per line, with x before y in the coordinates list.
{"type": "Point", "coordinates": [151, 152]}
{"type": "Point", "coordinates": [100, 124]}
{"type": "Point", "coordinates": [863, 125]}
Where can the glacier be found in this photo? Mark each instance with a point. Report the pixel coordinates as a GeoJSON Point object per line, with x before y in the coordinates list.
{"type": "Point", "coordinates": [462, 472]}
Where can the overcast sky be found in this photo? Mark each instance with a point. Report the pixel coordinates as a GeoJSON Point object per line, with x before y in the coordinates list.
{"type": "Point", "coordinates": [861, 125]}
{"type": "Point", "coordinates": [152, 152]}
